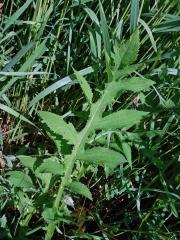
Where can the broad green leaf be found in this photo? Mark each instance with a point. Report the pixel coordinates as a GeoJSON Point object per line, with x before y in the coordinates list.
{"type": "Point", "coordinates": [27, 161]}
{"type": "Point", "coordinates": [135, 84]}
{"type": "Point", "coordinates": [121, 119]}
{"type": "Point", "coordinates": [59, 126]}
{"type": "Point", "coordinates": [80, 188]}
{"type": "Point", "coordinates": [51, 166]}
{"type": "Point", "coordinates": [167, 103]}
{"type": "Point", "coordinates": [20, 179]}
{"type": "Point", "coordinates": [45, 178]}
{"type": "Point", "coordinates": [125, 71]}
{"type": "Point", "coordinates": [102, 156]}
{"type": "Point", "coordinates": [85, 86]}
{"type": "Point", "coordinates": [127, 52]}
{"type": "Point", "coordinates": [61, 144]}
{"type": "Point", "coordinates": [24, 201]}
{"type": "Point", "coordinates": [49, 215]}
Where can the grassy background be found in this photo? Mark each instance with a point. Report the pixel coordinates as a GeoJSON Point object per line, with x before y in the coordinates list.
{"type": "Point", "coordinates": [40, 44]}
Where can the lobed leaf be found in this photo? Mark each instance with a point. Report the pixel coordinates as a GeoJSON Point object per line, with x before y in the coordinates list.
{"type": "Point", "coordinates": [85, 86]}
{"type": "Point", "coordinates": [20, 179]}
{"type": "Point", "coordinates": [127, 52]}
{"type": "Point", "coordinates": [59, 126]}
{"type": "Point", "coordinates": [50, 166]}
{"type": "Point", "coordinates": [27, 161]}
{"type": "Point", "coordinates": [125, 71]}
{"type": "Point", "coordinates": [80, 188]}
{"type": "Point", "coordinates": [121, 119]}
{"type": "Point", "coordinates": [102, 156]}
{"type": "Point", "coordinates": [134, 84]}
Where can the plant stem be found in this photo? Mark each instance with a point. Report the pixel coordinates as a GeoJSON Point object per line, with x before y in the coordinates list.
{"type": "Point", "coordinates": [51, 227]}
{"type": "Point", "coordinates": [50, 231]}
{"type": "Point", "coordinates": [83, 135]}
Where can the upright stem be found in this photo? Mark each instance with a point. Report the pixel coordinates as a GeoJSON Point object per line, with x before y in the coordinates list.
{"type": "Point", "coordinates": [51, 227]}
{"type": "Point", "coordinates": [50, 231]}
{"type": "Point", "coordinates": [83, 135]}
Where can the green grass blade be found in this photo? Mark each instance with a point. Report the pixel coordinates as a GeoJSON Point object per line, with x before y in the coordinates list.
{"type": "Point", "coordinates": [21, 74]}
{"type": "Point", "coordinates": [64, 81]}
{"type": "Point", "coordinates": [16, 15]}
{"type": "Point", "coordinates": [93, 46]}
{"type": "Point", "coordinates": [45, 20]}
{"type": "Point", "coordinates": [171, 24]}
{"type": "Point", "coordinates": [119, 30]}
{"type": "Point", "coordinates": [15, 114]}
{"type": "Point", "coordinates": [38, 52]}
{"type": "Point", "coordinates": [104, 30]}
{"type": "Point", "coordinates": [92, 15]}
{"type": "Point", "coordinates": [134, 15]}
{"type": "Point", "coordinates": [148, 30]}
{"type": "Point", "coordinates": [18, 57]}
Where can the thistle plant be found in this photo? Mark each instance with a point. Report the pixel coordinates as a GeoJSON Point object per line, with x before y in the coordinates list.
{"type": "Point", "coordinates": [75, 146]}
